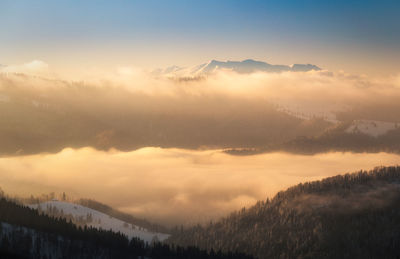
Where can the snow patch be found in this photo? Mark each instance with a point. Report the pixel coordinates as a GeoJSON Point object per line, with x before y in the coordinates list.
{"type": "Point", "coordinates": [371, 127]}
{"type": "Point", "coordinates": [310, 111]}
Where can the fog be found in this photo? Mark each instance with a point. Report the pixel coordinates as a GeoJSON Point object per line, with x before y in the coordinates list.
{"type": "Point", "coordinates": [129, 108]}
{"type": "Point", "coordinates": [174, 186]}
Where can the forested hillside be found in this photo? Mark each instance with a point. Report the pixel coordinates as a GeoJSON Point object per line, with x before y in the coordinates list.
{"type": "Point", "coordinates": [24, 233]}
{"type": "Point", "coordinates": [348, 216]}
{"type": "Point", "coordinates": [122, 216]}
{"type": "Point", "coordinates": [336, 139]}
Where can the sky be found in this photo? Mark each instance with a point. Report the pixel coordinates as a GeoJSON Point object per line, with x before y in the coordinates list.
{"type": "Point", "coordinates": [355, 36]}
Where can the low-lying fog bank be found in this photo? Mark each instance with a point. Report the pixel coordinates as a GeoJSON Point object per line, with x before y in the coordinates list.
{"type": "Point", "coordinates": [174, 186]}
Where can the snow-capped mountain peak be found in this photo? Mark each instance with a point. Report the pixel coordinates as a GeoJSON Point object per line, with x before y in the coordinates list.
{"type": "Point", "coordinates": [243, 67]}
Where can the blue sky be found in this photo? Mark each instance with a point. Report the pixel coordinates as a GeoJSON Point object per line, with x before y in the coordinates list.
{"type": "Point", "coordinates": [352, 35]}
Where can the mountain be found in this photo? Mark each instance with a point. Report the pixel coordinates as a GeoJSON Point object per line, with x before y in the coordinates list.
{"type": "Point", "coordinates": [69, 116]}
{"type": "Point", "coordinates": [371, 127]}
{"type": "Point", "coordinates": [25, 233]}
{"type": "Point", "coordinates": [85, 216]}
{"type": "Point", "coordinates": [128, 218]}
{"type": "Point", "coordinates": [355, 136]}
{"type": "Point", "coordinates": [242, 67]}
{"type": "Point", "coordinates": [347, 216]}
{"type": "Point", "coordinates": [359, 136]}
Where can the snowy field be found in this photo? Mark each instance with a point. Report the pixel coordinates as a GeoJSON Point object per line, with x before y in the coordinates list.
{"type": "Point", "coordinates": [98, 220]}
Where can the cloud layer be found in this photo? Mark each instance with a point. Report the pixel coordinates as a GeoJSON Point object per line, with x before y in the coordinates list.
{"type": "Point", "coordinates": [129, 108]}
{"type": "Point", "coordinates": [174, 186]}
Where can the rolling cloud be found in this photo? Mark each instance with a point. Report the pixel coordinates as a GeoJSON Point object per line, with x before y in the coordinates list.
{"type": "Point", "coordinates": [174, 186]}
{"type": "Point", "coordinates": [129, 108]}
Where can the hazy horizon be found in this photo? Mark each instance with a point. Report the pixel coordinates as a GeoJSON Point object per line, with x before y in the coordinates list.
{"type": "Point", "coordinates": [75, 36]}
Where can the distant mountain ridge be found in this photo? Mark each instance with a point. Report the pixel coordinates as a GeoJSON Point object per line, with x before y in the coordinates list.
{"type": "Point", "coordinates": [243, 67]}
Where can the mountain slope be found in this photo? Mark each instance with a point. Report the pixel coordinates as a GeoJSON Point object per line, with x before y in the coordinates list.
{"type": "Point", "coordinates": [348, 216]}
{"type": "Point", "coordinates": [24, 233]}
{"type": "Point", "coordinates": [357, 136]}
{"type": "Point", "coordinates": [371, 127]}
{"type": "Point", "coordinates": [85, 216]}
{"type": "Point", "coordinates": [128, 218]}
